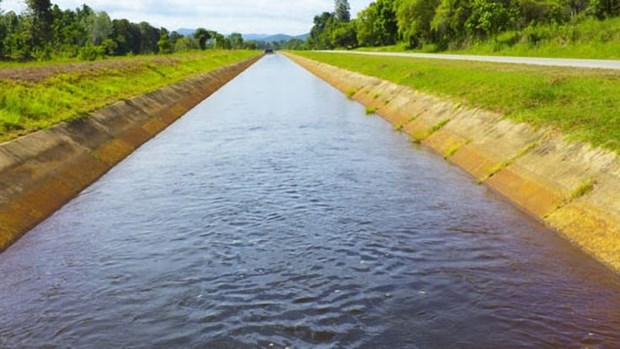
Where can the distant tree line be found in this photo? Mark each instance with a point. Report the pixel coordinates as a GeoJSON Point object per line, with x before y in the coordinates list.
{"type": "Point", "coordinates": [445, 22]}
{"type": "Point", "coordinates": [44, 31]}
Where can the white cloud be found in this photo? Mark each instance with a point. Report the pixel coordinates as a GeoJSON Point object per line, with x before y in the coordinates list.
{"type": "Point", "coordinates": [245, 16]}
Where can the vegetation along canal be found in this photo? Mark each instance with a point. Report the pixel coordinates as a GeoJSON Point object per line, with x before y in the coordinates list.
{"type": "Point", "coordinates": [275, 214]}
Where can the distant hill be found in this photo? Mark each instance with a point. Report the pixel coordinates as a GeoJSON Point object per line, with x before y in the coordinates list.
{"type": "Point", "coordinates": [254, 37]}
{"type": "Point", "coordinates": [185, 31]}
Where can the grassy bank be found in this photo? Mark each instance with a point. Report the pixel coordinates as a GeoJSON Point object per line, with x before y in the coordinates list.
{"type": "Point", "coordinates": [589, 38]}
{"type": "Point", "coordinates": [583, 104]}
{"type": "Point", "coordinates": [37, 97]}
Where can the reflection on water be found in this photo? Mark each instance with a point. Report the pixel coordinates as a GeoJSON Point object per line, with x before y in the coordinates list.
{"type": "Point", "coordinates": [276, 214]}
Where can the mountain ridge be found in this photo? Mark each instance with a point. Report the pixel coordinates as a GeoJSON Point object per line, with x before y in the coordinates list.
{"type": "Point", "coordinates": [255, 37]}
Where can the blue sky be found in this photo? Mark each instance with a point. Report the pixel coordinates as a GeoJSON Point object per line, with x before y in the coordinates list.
{"type": "Point", "coordinates": [244, 16]}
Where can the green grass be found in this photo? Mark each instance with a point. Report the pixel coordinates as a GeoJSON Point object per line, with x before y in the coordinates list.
{"type": "Point", "coordinates": [29, 106]}
{"type": "Point", "coordinates": [350, 92]}
{"type": "Point", "coordinates": [583, 104]}
{"type": "Point", "coordinates": [584, 188]}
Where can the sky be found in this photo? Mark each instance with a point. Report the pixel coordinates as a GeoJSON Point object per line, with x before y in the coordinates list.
{"type": "Point", "coordinates": [291, 17]}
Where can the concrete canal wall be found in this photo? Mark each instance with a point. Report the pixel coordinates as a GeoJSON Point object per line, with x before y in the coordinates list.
{"type": "Point", "coordinates": [42, 171]}
{"type": "Point", "coordinates": [572, 187]}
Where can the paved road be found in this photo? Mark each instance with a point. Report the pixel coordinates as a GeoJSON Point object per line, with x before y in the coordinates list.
{"type": "Point", "coordinates": [558, 62]}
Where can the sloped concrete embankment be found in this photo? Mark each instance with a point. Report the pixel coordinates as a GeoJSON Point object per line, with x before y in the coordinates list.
{"type": "Point", "coordinates": [42, 171]}
{"type": "Point", "coordinates": [572, 187]}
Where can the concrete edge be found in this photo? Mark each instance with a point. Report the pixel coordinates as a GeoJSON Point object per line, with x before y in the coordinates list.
{"type": "Point", "coordinates": [572, 187]}
{"type": "Point", "coordinates": [42, 171]}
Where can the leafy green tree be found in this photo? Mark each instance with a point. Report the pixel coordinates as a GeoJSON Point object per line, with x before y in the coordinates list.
{"type": "Point", "coordinates": [68, 31]}
{"type": "Point", "coordinates": [414, 21]}
{"type": "Point", "coordinates": [98, 27]}
{"type": "Point", "coordinates": [221, 41]}
{"type": "Point", "coordinates": [377, 24]}
{"type": "Point", "coordinates": [488, 18]}
{"type": "Point", "coordinates": [149, 37]}
{"type": "Point", "coordinates": [538, 11]}
{"type": "Point", "coordinates": [185, 43]}
{"type": "Point", "coordinates": [251, 45]}
{"type": "Point", "coordinates": [110, 47]}
{"type": "Point", "coordinates": [17, 41]}
{"type": "Point", "coordinates": [2, 32]}
{"type": "Point", "coordinates": [127, 36]}
{"type": "Point", "coordinates": [40, 14]}
{"type": "Point", "coordinates": [450, 18]}
{"type": "Point", "coordinates": [164, 44]}
{"type": "Point", "coordinates": [174, 37]}
{"type": "Point", "coordinates": [345, 35]}
{"type": "Point", "coordinates": [202, 35]}
{"type": "Point", "coordinates": [602, 9]}
{"type": "Point", "coordinates": [343, 10]}
{"type": "Point", "coordinates": [320, 34]}
{"type": "Point", "coordinates": [236, 41]}
{"type": "Point", "coordinates": [575, 7]}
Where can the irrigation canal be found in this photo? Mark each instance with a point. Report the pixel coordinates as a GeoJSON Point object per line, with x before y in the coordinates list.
{"type": "Point", "coordinates": [276, 214]}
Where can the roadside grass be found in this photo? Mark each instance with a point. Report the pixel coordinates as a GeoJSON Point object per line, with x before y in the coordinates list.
{"type": "Point", "coordinates": [29, 106]}
{"type": "Point", "coordinates": [582, 103]}
{"type": "Point", "coordinates": [588, 38]}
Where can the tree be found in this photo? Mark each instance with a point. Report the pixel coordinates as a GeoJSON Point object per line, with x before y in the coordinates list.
{"type": "Point", "coordinates": [149, 37]}
{"type": "Point", "coordinates": [488, 18]}
{"type": "Point", "coordinates": [40, 13]}
{"type": "Point", "coordinates": [164, 44]}
{"type": "Point", "coordinates": [575, 7]}
{"type": "Point", "coordinates": [127, 36]}
{"type": "Point", "coordinates": [538, 11]}
{"type": "Point", "coordinates": [377, 24]}
{"type": "Point", "coordinates": [602, 9]}
{"type": "Point", "coordinates": [236, 41]}
{"type": "Point", "coordinates": [342, 12]}
{"type": "Point", "coordinates": [345, 35]}
{"type": "Point", "coordinates": [98, 27]}
{"type": "Point", "coordinates": [449, 21]}
{"type": "Point", "coordinates": [174, 37]}
{"type": "Point", "coordinates": [17, 38]}
{"type": "Point", "coordinates": [221, 41]}
{"type": "Point", "coordinates": [320, 34]}
{"type": "Point", "coordinates": [202, 35]}
{"type": "Point", "coordinates": [2, 33]}
{"type": "Point", "coordinates": [414, 21]}
{"type": "Point", "coordinates": [185, 43]}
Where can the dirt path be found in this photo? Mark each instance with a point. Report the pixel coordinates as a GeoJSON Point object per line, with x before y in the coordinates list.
{"type": "Point", "coordinates": [36, 74]}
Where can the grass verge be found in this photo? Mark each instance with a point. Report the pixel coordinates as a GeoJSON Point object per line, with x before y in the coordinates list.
{"type": "Point", "coordinates": [582, 103]}
{"type": "Point", "coordinates": [27, 106]}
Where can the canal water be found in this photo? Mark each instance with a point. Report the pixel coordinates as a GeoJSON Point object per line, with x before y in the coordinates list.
{"type": "Point", "coordinates": [276, 214]}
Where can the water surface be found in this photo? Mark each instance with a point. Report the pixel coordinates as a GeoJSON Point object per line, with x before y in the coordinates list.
{"type": "Point", "coordinates": [275, 214]}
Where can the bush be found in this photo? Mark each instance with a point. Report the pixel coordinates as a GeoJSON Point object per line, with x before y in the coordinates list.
{"type": "Point", "coordinates": [91, 53]}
